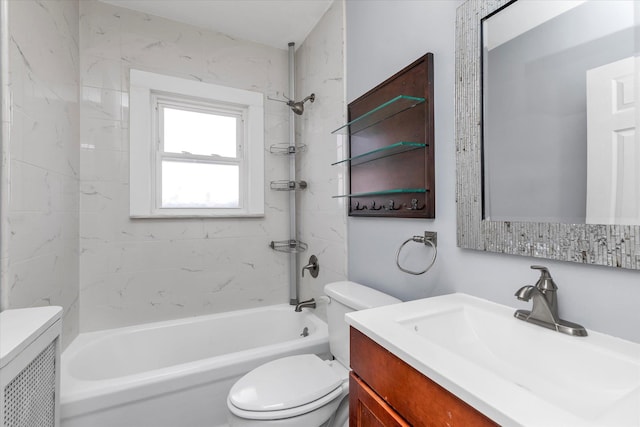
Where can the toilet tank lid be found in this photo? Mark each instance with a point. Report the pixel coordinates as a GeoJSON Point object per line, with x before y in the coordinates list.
{"type": "Point", "coordinates": [357, 296]}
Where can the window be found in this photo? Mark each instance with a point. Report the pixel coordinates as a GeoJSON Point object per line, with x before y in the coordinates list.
{"type": "Point", "coordinates": [200, 154]}
{"type": "Point", "coordinates": [196, 149]}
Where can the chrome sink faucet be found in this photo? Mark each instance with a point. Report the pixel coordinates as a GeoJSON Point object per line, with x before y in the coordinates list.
{"type": "Point", "coordinates": [543, 293]}
{"type": "Point", "coordinates": [545, 305]}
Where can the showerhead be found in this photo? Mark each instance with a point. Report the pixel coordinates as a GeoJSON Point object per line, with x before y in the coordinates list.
{"type": "Point", "coordinates": [298, 107]}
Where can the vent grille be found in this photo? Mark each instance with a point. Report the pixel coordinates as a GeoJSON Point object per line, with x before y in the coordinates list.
{"type": "Point", "coordinates": [29, 399]}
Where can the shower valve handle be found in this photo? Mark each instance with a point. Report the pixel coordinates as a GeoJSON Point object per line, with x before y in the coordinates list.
{"type": "Point", "coordinates": [313, 267]}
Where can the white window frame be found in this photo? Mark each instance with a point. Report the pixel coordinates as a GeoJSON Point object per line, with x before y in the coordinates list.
{"type": "Point", "coordinates": [146, 90]}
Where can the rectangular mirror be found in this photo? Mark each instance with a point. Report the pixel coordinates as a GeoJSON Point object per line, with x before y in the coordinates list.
{"type": "Point", "coordinates": [548, 161]}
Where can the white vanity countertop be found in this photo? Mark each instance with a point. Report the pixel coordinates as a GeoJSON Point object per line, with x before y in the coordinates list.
{"type": "Point", "coordinates": [516, 373]}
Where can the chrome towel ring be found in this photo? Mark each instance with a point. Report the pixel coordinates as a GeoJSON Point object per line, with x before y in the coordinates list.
{"type": "Point", "coordinates": [429, 238]}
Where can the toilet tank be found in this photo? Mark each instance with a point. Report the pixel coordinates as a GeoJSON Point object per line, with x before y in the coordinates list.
{"type": "Point", "coordinates": [347, 297]}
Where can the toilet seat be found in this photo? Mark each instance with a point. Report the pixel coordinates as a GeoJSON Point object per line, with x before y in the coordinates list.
{"type": "Point", "coordinates": [287, 387]}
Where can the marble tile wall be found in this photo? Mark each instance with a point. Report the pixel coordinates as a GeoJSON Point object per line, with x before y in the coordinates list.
{"type": "Point", "coordinates": [135, 271]}
{"type": "Point", "coordinates": [40, 263]}
{"type": "Point", "coordinates": [322, 219]}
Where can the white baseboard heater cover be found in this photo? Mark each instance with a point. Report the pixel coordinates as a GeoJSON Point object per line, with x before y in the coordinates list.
{"type": "Point", "coordinates": [29, 367]}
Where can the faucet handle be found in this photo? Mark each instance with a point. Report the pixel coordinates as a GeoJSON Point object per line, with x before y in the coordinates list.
{"type": "Point", "coordinates": [545, 282]}
{"type": "Point", "coordinates": [313, 267]}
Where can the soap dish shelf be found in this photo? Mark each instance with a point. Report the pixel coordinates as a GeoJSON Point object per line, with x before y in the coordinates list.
{"type": "Point", "coordinates": [285, 149]}
{"type": "Point", "coordinates": [290, 246]}
{"type": "Point", "coordinates": [285, 185]}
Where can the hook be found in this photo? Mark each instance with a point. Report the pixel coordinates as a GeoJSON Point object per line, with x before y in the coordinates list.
{"type": "Point", "coordinates": [415, 206]}
{"type": "Point", "coordinates": [391, 206]}
{"type": "Point", "coordinates": [357, 207]}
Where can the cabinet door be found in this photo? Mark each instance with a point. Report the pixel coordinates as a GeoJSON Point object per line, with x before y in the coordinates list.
{"type": "Point", "coordinates": [367, 409]}
{"type": "Point", "coordinates": [420, 401]}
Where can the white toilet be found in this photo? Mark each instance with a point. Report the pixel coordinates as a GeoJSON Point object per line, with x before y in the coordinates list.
{"type": "Point", "coordinates": [304, 390]}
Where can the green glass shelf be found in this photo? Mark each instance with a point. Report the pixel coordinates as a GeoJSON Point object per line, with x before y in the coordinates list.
{"type": "Point", "coordinates": [390, 108]}
{"type": "Point", "coordinates": [384, 192]}
{"type": "Point", "coordinates": [390, 150]}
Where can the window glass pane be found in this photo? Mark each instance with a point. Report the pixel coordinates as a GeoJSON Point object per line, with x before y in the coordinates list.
{"type": "Point", "coordinates": [200, 185]}
{"type": "Point", "coordinates": [199, 133]}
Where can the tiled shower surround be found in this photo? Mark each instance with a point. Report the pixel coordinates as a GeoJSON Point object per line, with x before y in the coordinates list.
{"type": "Point", "coordinates": [41, 156]}
{"type": "Point", "coordinates": [322, 219]}
{"type": "Point", "coordinates": [134, 271]}
{"type": "Point", "coordinates": [67, 236]}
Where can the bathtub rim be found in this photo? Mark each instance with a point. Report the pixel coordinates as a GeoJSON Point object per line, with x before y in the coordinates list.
{"type": "Point", "coordinates": [78, 396]}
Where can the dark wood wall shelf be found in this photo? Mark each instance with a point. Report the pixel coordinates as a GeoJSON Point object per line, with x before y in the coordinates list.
{"type": "Point", "coordinates": [391, 146]}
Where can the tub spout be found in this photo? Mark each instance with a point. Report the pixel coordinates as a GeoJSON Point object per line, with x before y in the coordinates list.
{"type": "Point", "coordinates": [311, 303]}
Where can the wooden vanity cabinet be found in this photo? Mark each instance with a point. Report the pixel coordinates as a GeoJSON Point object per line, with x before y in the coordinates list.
{"type": "Point", "coordinates": [385, 391]}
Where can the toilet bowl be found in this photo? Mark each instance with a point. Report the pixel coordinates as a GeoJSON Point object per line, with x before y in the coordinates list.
{"type": "Point", "coordinates": [307, 393]}
{"type": "Point", "coordinates": [305, 390]}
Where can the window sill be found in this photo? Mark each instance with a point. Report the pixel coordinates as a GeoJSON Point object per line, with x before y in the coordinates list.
{"type": "Point", "coordinates": [187, 216]}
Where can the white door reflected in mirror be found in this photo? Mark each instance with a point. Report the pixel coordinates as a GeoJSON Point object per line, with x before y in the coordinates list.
{"type": "Point", "coordinates": [613, 151]}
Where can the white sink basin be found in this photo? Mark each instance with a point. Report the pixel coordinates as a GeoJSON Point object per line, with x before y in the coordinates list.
{"type": "Point", "coordinates": [514, 372]}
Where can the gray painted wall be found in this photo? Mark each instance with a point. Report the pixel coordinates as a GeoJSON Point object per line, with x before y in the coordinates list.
{"type": "Point", "coordinates": [382, 37]}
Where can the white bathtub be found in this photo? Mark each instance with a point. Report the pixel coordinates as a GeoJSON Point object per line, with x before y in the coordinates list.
{"type": "Point", "coordinates": [177, 373]}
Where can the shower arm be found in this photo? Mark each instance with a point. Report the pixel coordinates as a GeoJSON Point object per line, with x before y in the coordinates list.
{"type": "Point", "coordinates": [296, 106]}
{"type": "Point", "coordinates": [311, 98]}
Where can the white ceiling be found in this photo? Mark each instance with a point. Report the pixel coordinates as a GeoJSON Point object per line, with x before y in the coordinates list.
{"type": "Point", "coordinates": [271, 22]}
